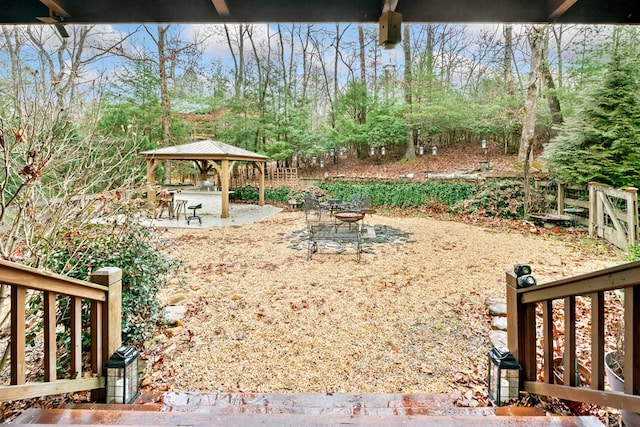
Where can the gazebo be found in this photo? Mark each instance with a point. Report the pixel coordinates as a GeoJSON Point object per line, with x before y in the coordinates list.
{"type": "Point", "coordinates": [206, 154]}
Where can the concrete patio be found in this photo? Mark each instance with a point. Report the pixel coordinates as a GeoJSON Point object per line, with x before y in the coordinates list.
{"type": "Point", "coordinates": [239, 213]}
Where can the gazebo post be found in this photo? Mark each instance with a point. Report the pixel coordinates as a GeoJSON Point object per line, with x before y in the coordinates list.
{"type": "Point", "coordinates": [224, 188]}
{"type": "Point", "coordinates": [151, 182]}
{"type": "Point", "coordinates": [261, 167]}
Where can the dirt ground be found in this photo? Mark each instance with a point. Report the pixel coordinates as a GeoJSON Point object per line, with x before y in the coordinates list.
{"type": "Point", "coordinates": [408, 318]}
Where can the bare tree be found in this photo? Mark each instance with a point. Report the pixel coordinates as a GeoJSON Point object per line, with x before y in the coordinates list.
{"type": "Point", "coordinates": [410, 152]}
{"type": "Point", "coordinates": [525, 154]}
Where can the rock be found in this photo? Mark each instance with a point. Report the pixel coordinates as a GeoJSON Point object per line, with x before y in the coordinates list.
{"type": "Point", "coordinates": [172, 332]}
{"type": "Point", "coordinates": [498, 338]}
{"type": "Point", "coordinates": [174, 314]}
{"type": "Point", "coordinates": [494, 300]}
{"type": "Point", "coordinates": [499, 323]}
{"type": "Point", "coordinates": [498, 309]}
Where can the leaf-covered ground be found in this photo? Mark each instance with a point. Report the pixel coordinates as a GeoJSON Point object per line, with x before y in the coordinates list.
{"type": "Point", "coordinates": [410, 317]}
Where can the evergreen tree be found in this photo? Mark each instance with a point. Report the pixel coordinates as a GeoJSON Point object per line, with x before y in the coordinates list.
{"type": "Point", "coordinates": [602, 142]}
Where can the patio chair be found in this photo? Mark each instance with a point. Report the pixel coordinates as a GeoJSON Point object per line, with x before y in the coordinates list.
{"type": "Point", "coordinates": [313, 207]}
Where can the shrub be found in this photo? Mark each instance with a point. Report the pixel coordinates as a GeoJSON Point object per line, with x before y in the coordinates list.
{"type": "Point", "coordinates": [133, 248]}
{"type": "Point", "coordinates": [406, 194]}
{"type": "Point", "coordinates": [502, 199]}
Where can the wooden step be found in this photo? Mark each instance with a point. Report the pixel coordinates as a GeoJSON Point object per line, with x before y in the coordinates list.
{"type": "Point", "coordinates": [130, 418]}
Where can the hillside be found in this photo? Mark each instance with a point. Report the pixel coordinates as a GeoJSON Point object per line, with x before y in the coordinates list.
{"type": "Point", "coordinates": [462, 158]}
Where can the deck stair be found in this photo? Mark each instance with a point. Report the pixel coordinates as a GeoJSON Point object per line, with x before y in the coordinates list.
{"type": "Point", "coordinates": [277, 409]}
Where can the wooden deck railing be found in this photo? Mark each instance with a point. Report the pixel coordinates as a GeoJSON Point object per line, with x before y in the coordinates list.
{"type": "Point", "coordinates": [522, 335]}
{"type": "Point", "coordinates": [104, 293]}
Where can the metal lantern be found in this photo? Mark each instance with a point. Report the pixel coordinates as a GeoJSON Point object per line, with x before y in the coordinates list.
{"type": "Point", "coordinates": [383, 151]}
{"type": "Point", "coordinates": [484, 144]}
{"type": "Point", "coordinates": [504, 376]}
{"type": "Point", "coordinates": [421, 150]}
{"type": "Point", "coordinates": [314, 160]}
{"type": "Point", "coordinates": [434, 150]}
{"type": "Point", "coordinates": [332, 152]}
{"type": "Point", "coordinates": [342, 151]}
{"type": "Point", "coordinates": [122, 375]}
{"type": "Point", "coordinates": [321, 163]}
{"type": "Point", "coordinates": [372, 151]}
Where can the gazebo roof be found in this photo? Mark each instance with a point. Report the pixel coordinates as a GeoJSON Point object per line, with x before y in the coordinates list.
{"type": "Point", "coordinates": [204, 150]}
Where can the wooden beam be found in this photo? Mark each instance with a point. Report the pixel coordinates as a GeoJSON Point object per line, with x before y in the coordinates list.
{"type": "Point", "coordinates": [26, 391]}
{"type": "Point", "coordinates": [617, 277]}
{"type": "Point", "coordinates": [584, 394]}
{"type": "Point", "coordinates": [76, 337]}
{"type": "Point", "coordinates": [18, 338]}
{"type": "Point", "coordinates": [50, 346]}
{"type": "Point", "coordinates": [557, 8]}
{"type": "Point", "coordinates": [221, 7]}
{"type": "Point", "coordinates": [31, 278]}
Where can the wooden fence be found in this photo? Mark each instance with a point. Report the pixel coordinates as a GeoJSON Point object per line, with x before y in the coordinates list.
{"type": "Point", "coordinates": [608, 213]}
{"type": "Point", "coordinates": [104, 294]}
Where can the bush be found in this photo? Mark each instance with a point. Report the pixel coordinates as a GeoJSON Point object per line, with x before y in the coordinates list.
{"type": "Point", "coordinates": [133, 248]}
{"type": "Point", "coordinates": [634, 253]}
{"type": "Point", "coordinates": [502, 199]}
{"type": "Point", "coordinates": [409, 194]}
{"type": "Point", "coordinates": [280, 195]}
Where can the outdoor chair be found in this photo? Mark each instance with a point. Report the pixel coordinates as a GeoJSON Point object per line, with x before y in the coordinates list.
{"type": "Point", "coordinates": [312, 207]}
{"type": "Point", "coordinates": [194, 208]}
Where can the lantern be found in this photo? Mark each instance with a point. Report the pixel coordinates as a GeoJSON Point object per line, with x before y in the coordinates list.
{"type": "Point", "coordinates": [332, 152]}
{"type": "Point", "coordinates": [383, 151]}
{"type": "Point", "coordinates": [122, 375]}
{"type": "Point", "coordinates": [314, 159]}
{"type": "Point", "coordinates": [372, 151]}
{"type": "Point", "coordinates": [434, 150]}
{"type": "Point", "coordinates": [504, 376]}
{"type": "Point", "coordinates": [421, 150]}
{"type": "Point", "coordinates": [484, 144]}
{"type": "Point", "coordinates": [342, 151]}
{"type": "Point", "coordinates": [321, 163]}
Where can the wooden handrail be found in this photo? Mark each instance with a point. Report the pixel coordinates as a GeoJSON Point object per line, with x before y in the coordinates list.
{"type": "Point", "coordinates": [104, 294]}
{"type": "Point", "coordinates": [522, 334]}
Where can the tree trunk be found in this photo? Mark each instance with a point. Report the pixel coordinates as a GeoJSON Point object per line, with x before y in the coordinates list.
{"type": "Point", "coordinates": [525, 154]}
{"type": "Point", "coordinates": [536, 39]}
{"type": "Point", "coordinates": [362, 113]}
{"type": "Point", "coordinates": [165, 119]}
{"type": "Point", "coordinates": [410, 152]}
{"type": "Point", "coordinates": [506, 62]}
{"type": "Point", "coordinates": [552, 96]}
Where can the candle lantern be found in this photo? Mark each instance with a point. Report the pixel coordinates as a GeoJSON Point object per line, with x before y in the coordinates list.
{"type": "Point", "coordinates": [314, 159]}
{"type": "Point", "coordinates": [122, 375]}
{"type": "Point", "coordinates": [342, 151]}
{"type": "Point", "coordinates": [332, 152]}
{"type": "Point", "coordinates": [504, 376]}
{"type": "Point", "coordinates": [383, 151]}
{"type": "Point", "coordinates": [321, 163]}
{"type": "Point", "coordinates": [421, 150]}
{"type": "Point", "coordinates": [434, 150]}
{"type": "Point", "coordinates": [372, 151]}
{"type": "Point", "coordinates": [484, 144]}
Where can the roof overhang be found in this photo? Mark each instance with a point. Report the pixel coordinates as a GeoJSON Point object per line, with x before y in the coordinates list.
{"type": "Point", "coordinates": [234, 11]}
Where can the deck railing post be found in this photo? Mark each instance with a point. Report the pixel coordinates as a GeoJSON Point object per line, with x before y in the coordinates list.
{"type": "Point", "coordinates": [521, 333]}
{"type": "Point", "coordinates": [107, 320]}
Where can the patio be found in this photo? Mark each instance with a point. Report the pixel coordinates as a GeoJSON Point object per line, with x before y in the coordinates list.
{"type": "Point", "coordinates": [239, 213]}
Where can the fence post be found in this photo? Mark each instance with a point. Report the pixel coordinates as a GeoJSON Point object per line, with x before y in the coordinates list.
{"type": "Point", "coordinates": [593, 207]}
{"type": "Point", "coordinates": [632, 214]}
{"type": "Point", "coordinates": [561, 192]}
